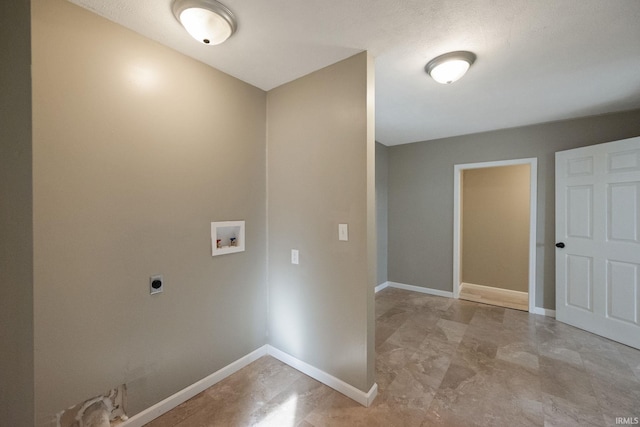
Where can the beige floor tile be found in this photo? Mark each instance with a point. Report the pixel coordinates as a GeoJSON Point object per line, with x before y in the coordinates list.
{"type": "Point", "coordinates": [441, 362]}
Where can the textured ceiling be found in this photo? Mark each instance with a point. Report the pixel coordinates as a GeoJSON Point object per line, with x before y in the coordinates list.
{"type": "Point", "coordinates": [538, 61]}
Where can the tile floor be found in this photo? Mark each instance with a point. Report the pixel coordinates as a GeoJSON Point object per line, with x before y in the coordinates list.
{"type": "Point", "coordinates": [443, 362]}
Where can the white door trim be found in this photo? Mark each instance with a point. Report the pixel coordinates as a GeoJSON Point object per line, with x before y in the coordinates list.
{"type": "Point", "coordinates": [457, 244]}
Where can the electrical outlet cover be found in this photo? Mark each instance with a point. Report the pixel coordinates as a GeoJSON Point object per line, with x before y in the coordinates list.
{"type": "Point", "coordinates": [156, 284]}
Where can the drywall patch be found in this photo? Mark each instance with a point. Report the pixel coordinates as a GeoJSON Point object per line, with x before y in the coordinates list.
{"type": "Point", "coordinates": [106, 410]}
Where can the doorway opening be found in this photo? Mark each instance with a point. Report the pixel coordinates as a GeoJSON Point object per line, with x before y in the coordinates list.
{"type": "Point", "coordinates": [494, 258]}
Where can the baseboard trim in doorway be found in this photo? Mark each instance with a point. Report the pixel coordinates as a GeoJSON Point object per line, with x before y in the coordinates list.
{"type": "Point", "coordinates": [430, 291]}
{"type": "Point", "coordinates": [365, 399]}
{"type": "Point", "coordinates": [495, 296]}
{"type": "Point", "coordinates": [381, 286]}
{"type": "Point", "coordinates": [544, 312]}
{"type": "Point", "coordinates": [438, 292]}
{"type": "Point", "coordinates": [187, 393]}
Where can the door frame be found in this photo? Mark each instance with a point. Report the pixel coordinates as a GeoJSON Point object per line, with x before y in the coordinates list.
{"type": "Point", "coordinates": [457, 220]}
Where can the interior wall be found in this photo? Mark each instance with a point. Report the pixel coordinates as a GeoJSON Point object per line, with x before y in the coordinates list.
{"type": "Point", "coordinates": [421, 193]}
{"type": "Point", "coordinates": [137, 149]}
{"type": "Point", "coordinates": [382, 190]}
{"type": "Point", "coordinates": [495, 227]}
{"type": "Point", "coordinates": [16, 229]}
{"type": "Point", "coordinates": [320, 174]}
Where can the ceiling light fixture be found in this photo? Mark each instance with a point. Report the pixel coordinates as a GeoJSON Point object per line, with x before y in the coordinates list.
{"type": "Point", "coordinates": [208, 21]}
{"type": "Point", "coordinates": [450, 67]}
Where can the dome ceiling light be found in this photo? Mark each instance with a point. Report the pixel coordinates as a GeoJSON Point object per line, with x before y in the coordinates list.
{"type": "Point", "coordinates": [450, 67]}
{"type": "Point", "coordinates": [208, 21]}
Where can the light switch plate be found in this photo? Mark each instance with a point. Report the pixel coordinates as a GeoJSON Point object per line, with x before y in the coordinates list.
{"type": "Point", "coordinates": [294, 256]}
{"type": "Point", "coordinates": [343, 232]}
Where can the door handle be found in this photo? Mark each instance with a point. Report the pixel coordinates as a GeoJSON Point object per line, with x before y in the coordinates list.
{"type": "Point", "coordinates": [560, 245]}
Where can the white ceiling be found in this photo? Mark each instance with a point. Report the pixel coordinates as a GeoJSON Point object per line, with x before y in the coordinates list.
{"type": "Point", "coordinates": [538, 61]}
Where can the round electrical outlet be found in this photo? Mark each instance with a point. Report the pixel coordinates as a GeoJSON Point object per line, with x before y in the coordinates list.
{"type": "Point", "coordinates": [156, 284]}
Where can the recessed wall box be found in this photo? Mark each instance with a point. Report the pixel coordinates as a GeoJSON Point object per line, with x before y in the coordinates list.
{"type": "Point", "coordinates": [227, 237]}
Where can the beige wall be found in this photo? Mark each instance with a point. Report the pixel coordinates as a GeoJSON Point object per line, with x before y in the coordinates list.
{"type": "Point", "coordinates": [495, 227]}
{"type": "Point", "coordinates": [16, 229]}
{"type": "Point", "coordinates": [421, 193]}
{"type": "Point", "coordinates": [136, 150]}
{"type": "Point", "coordinates": [320, 174]}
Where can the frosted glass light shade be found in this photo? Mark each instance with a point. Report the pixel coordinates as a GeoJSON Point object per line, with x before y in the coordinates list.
{"type": "Point", "coordinates": [207, 21]}
{"type": "Point", "coordinates": [450, 67]}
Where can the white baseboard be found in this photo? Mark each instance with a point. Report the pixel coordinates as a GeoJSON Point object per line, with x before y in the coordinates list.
{"type": "Point", "coordinates": [340, 386]}
{"type": "Point", "coordinates": [381, 286]}
{"type": "Point", "coordinates": [187, 393]}
{"type": "Point", "coordinates": [413, 288]}
{"type": "Point", "coordinates": [507, 298]}
{"type": "Point", "coordinates": [447, 294]}
{"type": "Point", "coordinates": [544, 312]}
{"type": "Point", "coordinates": [510, 292]}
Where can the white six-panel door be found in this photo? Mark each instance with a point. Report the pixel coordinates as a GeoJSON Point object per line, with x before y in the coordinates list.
{"type": "Point", "coordinates": [598, 222]}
